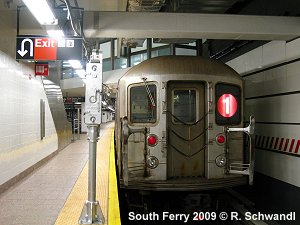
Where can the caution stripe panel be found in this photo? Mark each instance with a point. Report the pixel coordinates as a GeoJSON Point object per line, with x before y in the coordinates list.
{"type": "Point", "coordinates": [289, 145]}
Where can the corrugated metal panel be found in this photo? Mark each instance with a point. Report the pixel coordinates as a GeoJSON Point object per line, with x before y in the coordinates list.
{"type": "Point", "coordinates": [55, 99]}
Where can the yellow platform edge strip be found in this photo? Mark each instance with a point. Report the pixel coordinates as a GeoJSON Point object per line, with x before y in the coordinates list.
{"type": "Point", "coordinates": [72, 208]}
{"type": "Point", "coordinates": [113, 201]}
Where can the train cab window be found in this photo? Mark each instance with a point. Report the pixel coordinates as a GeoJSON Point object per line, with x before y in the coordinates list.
{"type": "Point", "coordinates": [142, 109]}
{"type": "Point", "coordinates": [184, 106]}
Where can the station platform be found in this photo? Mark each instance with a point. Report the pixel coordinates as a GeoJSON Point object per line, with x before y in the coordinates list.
{"type": "Point", "coordinates": [56, 192]}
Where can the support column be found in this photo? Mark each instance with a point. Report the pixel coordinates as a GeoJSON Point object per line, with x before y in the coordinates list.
{"type": "Point", "coordinates": [91, 212]}
{"type": "Point", "coordinates": [199, 47]}
{"type": "Point", "coordinates": [78, 123]}
{"type": "Point", "coordinates": [172, 49]}
{"type": "Point", "coordinates": [112, 53]}
{"type": "Point", "coordinates": [149, 47]}
{"type": "Point", "coordinates": [128, 56]}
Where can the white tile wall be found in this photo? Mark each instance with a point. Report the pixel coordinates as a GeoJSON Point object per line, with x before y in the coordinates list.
{"type": "Point", "coordinates": [282, 109]}
{"type": "Point", "coordinates": [292, 49]}
{"type": "Point", "coordinates": [20, 119]}
{"type": "Point", "coordinates": [268, 82]}
{"type": "Point", "coordinates": [280, 166]}
{"type": "Point", "coordinates": [273, 52]}
{"type": "Point", "coordinates": [269, 54]}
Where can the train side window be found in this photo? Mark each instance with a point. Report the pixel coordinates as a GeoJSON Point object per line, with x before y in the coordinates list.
{"type": "Point", "coordinates": [141, 108]}
{"type": "Point", "coordinates": [185, 106]}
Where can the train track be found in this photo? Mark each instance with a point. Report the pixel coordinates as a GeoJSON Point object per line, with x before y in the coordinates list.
{"type": "Point", "coordinates": [231, 208]}
{"type": "Point", "coordinates": [241, 206]}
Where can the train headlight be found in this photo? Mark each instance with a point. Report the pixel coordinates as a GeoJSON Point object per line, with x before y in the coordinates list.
{"type": "Point", "coordinates": [152, 140]}
{"type": "Point", "coordinates": [221, 160]}
{"type": "Point", "coordinates": [220, 139]}
{"type": "Point", "coordinates": [152, 162]}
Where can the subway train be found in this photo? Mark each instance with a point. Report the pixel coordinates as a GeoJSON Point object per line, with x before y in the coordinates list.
{"type": "Point", "coordinates": [179, 126]}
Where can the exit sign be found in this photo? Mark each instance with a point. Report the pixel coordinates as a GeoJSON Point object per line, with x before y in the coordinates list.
{"type": "Point", "coordinates": [48, 49]}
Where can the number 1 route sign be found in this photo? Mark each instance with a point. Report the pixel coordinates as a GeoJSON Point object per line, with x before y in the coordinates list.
{"type": "Point", "coordinates": [48, 49]}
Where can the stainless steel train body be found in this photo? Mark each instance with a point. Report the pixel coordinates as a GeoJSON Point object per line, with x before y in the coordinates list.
{"type": "Point", "coordinates": [175, 121]}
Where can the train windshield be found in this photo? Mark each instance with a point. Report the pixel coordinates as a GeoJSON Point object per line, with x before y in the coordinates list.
{"type": "Point", "coordinates": [184, 105]}
{"type": "Point", "coordinates": [142, 109]}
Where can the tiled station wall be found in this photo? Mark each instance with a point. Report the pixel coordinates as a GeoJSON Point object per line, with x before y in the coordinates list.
{"type": "Point", "coordinates": [20, 144]}
{"type": "Point", "coordinates": [272, 81]}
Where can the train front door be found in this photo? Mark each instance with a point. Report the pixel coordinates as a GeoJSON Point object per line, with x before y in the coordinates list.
{"type": "Point", "coordinates": [186, 129]}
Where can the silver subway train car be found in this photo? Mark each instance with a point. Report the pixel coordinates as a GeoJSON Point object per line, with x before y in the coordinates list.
{"type": "Point", "coordinates": [179, 126]}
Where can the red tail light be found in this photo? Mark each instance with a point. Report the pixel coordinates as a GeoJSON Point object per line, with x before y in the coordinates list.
{"type": "Point", "coordinates": [152, 140]}
{"type": "Point", "coordinates": [220, 139]}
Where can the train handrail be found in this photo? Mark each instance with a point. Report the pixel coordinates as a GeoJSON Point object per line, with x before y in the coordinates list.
{"type": "Point", "coordinates": [126, 131]}
{"type": "Point", "coordinates": [245, 168]}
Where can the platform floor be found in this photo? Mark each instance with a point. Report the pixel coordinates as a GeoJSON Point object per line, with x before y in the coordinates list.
{"type": "Point", "coordinates": [55, 193]}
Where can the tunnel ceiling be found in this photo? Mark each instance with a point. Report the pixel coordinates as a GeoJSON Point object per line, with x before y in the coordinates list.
{"type": "Point", "coordinates": [228, 49]}
{"type": "Point", "coordinates": [219, 49]}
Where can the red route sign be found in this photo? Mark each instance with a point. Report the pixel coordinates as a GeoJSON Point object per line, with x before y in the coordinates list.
{"type": "Point", "coordinates": [45, 49]}
{"type": "Point", "coordinates": [227, 105]}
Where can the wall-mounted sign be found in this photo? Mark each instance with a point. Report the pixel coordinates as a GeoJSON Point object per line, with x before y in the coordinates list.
{"type": "Point", "coordinates": [49, 49]}
{"type": "Point", "coordinates": [41, 69]}
{"type": "Point", "coordinates": [70, 100]}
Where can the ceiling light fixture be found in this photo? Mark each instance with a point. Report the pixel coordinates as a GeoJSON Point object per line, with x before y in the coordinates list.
{"type": "Point", "coordinates": [76, 64]}
{"type": "Point", "coordinates": [41, 11]}
{"type": "Point", "coordinates": [55, 33]}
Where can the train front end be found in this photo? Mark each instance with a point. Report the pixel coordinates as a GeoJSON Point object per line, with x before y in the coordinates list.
{"type": "Point", "coordinates": [179, 126]}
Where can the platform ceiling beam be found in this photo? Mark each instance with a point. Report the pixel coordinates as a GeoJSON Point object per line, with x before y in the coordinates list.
{"type": "Point", "coordinates": [186, 25]}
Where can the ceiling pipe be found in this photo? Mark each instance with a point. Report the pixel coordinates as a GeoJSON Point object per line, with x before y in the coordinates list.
{"type": "Point", "coordinates": [80, 32]}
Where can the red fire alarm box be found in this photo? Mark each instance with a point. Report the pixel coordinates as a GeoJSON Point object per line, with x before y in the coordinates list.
{"type": "Point", "coordinates": [41, 69]}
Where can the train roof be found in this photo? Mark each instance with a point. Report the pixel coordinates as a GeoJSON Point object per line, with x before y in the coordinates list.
{"type": "Point", "coordinates": [164, 65]}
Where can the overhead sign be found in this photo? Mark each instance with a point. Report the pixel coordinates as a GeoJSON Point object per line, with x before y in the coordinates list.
{"type": "Point", "coordinates": [70, 100]}
{"type": "Point", "coordinates": [49, 49]}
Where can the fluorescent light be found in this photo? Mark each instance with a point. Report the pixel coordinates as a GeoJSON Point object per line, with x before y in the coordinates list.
{"type": "Point", "coordinates": [111, 108]}
{"type": "Point", "coordinates": [41, 11]}
{"type": "Point", "coordinates": [55, 33]}
{"type": "Point", "coordinates": [76, 64]}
